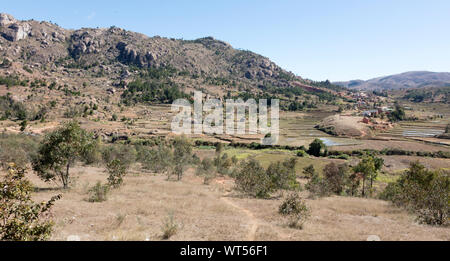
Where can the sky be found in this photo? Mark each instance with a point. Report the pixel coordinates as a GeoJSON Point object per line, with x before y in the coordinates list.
{"type": "Point", "coordinates": [323, 39]}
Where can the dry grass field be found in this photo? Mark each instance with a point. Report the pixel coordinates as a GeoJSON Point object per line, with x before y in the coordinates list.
{"type": "Point", "coordinates": [137, 211]}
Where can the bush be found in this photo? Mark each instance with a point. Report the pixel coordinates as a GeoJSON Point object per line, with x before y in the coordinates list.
{"type": "Point", "coordinates": [301, 153]}
{"type": "Point", "coordinates": [126, 154]}
{"type": "Point", "coordinates": [341, 156]}
{"type": "Point", "coordinates": [253, 180]}
{"type": "Point", "coordinates": [425, 192]}
{"type": "Point", "coordinates": [20, 218]}
{"type": "Point", "coordinates": [157, 159]}
{"type": "Point", "coordinates": [295, 209]}
{"type": "Point", "coordinates": [12, 109]}
{"type": "Point", "coordinates": [223, 163]}
{"type": "Point", "coordinates": [318, 187]}
{"type": "Point", "coordinates": [98, 193]}
{"type": "Point", "coordinates": [93, 155]}
{"type": "Point", "coordinates": [206, 170]}
{"type": "Point", "coordinates": [169, 227]}
{"type": "Point", "coordinates": [336, 176]}
{"type": "Point", "coordinates": [117, 171]}
{"type": "Point", "coordinates": [17, 148]}
{"type": "Point", "coordinates": [282, 175]}
{"type": "Point", "coordinates": [309, 171]}
{"type": "Point", "coordinates": [182, 156]}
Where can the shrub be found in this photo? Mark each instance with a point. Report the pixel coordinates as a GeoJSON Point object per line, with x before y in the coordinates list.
{"type": "Point", "coordinates": [252, 180]}
{"type": "Point", "coordinates": [17, 148]}
{"type": "Point", "coordinates": [158, 159]}
{"type": "Point", "coordinates": [425, 192]}
{"type": "Point", "coordinates": [169, 227]}
{"type": "Point", "coordinates": [94, 154]}
{"type": "Point", "coordinates": [336, 177]}
{"type": "Point", "coordinates": [223, 164]}
{"type": "Point", "coordinates": [23, 125]}
{"type": "Point", "coordinates": [98, 193]}
{"type": "Point", "coordinates": [206, 170]}
{"type": "Point", "coordinates": [302, 153]}
{"type": "Point", "coordinates": [282, 175]}
{"type": "Point", "coordinates": [219, 148]}
{"type": "Point", "coordinates": [20, 218]}
{"type": "Point", "coordinates": [341, 156]}
{"type": "Point", "coordinates": [295, 209]}
{"type": "Point", "coordinates": [309, 171]}
{"type": "Point", "coordinates": [125, 153]}
{"type": "Point", "coordinates": [12, 109]}
{"type": "Point", "coordinates": [318, 187]}
{"type": "Point", "coordinates": [73, 112]}
{"type": "Point", "coordinates": [182, 156]}
{"type": "Point", "coordinates": [117, 171]}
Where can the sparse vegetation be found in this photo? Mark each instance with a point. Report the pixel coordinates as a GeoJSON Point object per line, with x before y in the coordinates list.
{"type": "Point", "coordinates": [169, 227]}
{"type": "Point", "coordinates": [425, 192]}
{"type": "Point", "coordinates": [206, 170]}
{"type": "Point", "coordinates": [99, 192]}
{"type": "Point", "coordinates": [21, 219]}
{"type": "Point", "coordinates": [117, 171]}
{"type": "Point", "coordinates": [252, 180]}
{"type": "Point", "coordinates": [295, 209]}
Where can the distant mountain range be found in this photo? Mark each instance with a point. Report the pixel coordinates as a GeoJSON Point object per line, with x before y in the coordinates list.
{"type": "Point", "coordinates": [407, 80]}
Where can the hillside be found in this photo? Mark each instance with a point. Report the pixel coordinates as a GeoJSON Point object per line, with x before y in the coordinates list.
{"type": "Point", "coordinates": [48, 51]}
{"type": "Point", "coordinates": [407, 80]}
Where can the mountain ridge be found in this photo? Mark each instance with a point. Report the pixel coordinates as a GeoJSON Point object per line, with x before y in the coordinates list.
{"type": "Point", "coordinates": [406, 80]}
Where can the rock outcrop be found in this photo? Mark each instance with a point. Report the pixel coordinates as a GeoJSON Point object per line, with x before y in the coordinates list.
{"type": "Point", "coordinates": [6, 19]}
{"type": "Point", "coordinates": [16, 32]}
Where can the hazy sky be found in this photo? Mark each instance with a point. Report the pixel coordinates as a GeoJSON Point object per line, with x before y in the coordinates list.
{"type": "Point", "coordinates": [336, 40]}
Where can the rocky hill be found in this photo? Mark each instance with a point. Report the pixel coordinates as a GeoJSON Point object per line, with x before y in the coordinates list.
{"type": "Point", "coordinates": [48, 73]}
{"type": "Point", "coordinates": [114, 50]}
{"type": "Point", "coordinates": [407, 80]}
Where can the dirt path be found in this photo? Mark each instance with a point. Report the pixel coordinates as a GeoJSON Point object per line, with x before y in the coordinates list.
{"type": "Point", "coordinates": [253, 222]}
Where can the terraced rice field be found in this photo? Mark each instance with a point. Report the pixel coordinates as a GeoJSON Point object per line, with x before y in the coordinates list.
{"type": "Point", "coordinates": [298, 129]}
{"type": "Point", "coordinates": [417, 129]}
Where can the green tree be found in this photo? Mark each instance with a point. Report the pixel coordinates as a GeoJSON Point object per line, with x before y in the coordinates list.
{"type": "Point", "coordinates": [158, 160]}
{"type": "Point", "coordinates": [317, 186]}
{"type": "Point", "coordinates": [282, 174]}
{"type": "Point", "coordinates": [21, 219]}
{"type": "Point", "coordinates": [398, 114]}
{"type": "Point", "coordinates": [252, 179]}
{"type": "Point", "coordinates": [423, 191]}
{"type": "Point", "coordinates": [59, 151]}
{"type": "Point", "coordinates": [182, 156]}
{"type": "Point", "coordinates": [367, 169]}
{"type": "Point", "coordinates": [336, 176]}
{"type": "Point", "coordinates": [316, 147]}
